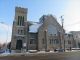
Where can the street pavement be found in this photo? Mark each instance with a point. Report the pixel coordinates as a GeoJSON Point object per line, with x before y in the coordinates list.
{"type": "Point", "coordinates": [44, 56]}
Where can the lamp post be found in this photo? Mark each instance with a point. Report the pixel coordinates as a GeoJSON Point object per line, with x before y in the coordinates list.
{"type": "Point", "coordinates": [6, 33]}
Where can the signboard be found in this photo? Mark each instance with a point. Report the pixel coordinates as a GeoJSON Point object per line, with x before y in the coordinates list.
{"type": "Point", "coordinates": [24, 44]}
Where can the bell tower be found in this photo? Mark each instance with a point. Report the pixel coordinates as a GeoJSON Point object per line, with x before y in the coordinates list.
{"type": "Point", "coordinates": [19, 29]}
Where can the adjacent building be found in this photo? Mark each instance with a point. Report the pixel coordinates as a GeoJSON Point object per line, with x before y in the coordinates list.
{"type": "Point", "coordinates": [69, 41]}
{"type": "Point", "coordinates": [72, 40]}
{"type": "Point", "coordinates": [76, 36]}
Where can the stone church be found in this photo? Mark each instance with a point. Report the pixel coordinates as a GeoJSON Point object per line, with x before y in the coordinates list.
{"type": "Point", "coordinates": [42, 35]}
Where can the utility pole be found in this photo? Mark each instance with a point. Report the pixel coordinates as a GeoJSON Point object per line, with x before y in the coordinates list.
{"type": "Point", "coordinates": [59, 37]}
{"type": "Point", "coordinates": [62, 21]}
{"type": "Point", "coordinates": [45, 40]}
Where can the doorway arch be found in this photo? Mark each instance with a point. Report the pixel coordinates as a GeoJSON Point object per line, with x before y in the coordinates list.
{"type": "Point", "coordinates": [19, 44]}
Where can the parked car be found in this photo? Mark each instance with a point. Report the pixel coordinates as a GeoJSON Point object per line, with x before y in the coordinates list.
{"type": "Point", "coordinates": [59, 50]}
{"type": "Point", "coordinates": [2, 51]}
{"type": "Point", "coordinates": [75, 48]}
{"type": "Point", "coordinates": [5, 51]}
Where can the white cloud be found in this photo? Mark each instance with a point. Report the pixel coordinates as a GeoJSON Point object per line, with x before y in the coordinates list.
{"type": "Point", "coordinates": [5, 31]}
{"type": "Point", "coordinates": [72, 15]}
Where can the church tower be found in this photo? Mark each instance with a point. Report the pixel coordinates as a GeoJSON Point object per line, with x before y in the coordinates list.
{"type": "Point", "coordinates": [19, 29]}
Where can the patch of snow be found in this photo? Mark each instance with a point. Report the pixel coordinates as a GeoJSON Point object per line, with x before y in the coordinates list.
{"type": "Point", "coordinates": [34, 28]}
{"type": "Point", "coordinates": [32, 51]}
{"type": "Point", "coordinates": [41, 52]}
{"type": "Point", "coordinates": [13, 51]}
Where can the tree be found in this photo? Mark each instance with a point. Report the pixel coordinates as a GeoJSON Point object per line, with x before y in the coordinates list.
{"type": "Point", "coordinates": [9, 45]}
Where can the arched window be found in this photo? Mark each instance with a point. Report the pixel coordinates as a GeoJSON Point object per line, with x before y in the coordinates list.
{"type": "Point", "coordinates": [43, 41]}
{"type": "Point", "coordinates": [20, 21]}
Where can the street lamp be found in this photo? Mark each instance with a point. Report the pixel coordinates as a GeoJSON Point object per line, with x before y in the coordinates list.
{"type": "Point", "coordinates": [6, 33]}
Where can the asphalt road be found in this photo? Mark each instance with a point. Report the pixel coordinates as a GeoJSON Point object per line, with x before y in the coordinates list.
{"type": "Point", "coordinates": [47, 56]}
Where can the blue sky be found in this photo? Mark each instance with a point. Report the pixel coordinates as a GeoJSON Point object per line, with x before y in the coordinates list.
{"type": "Point", "coordinates": [36, 8]}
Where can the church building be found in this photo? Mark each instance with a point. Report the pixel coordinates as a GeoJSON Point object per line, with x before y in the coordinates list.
{"type": "Point", "coordinates": [42, 35]}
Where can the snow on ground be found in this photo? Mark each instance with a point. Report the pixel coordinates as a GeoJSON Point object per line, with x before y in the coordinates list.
{"type": "Point", "coordinates": [31, 52]}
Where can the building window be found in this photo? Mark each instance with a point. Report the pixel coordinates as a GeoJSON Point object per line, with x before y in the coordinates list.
{"type": "Point", "coordinates": [56, 41]}
{"type": "Point", "coordinates": [18, 31]}
{"type": "Point", "coordinates": [23, 21]}
{"type": "Point", "coordinates": [69, 42]}
{"type": "Point", "coordinates": [76, 36]}
{"type": "Point", "coordinates": [20, 21]}
{"type": "Point", "coordinates": [43, 41]}
{"type": "Point", "coordinates": [21, 32]}
{"type": "Point", "coordinates": [32, 41]}
{"type": "Point", "coordinates": [51, 41]}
